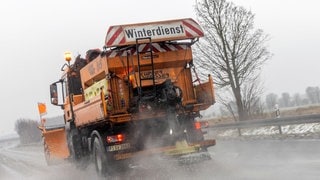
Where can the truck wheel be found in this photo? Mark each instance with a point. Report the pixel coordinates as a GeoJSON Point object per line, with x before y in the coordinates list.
{"type": "Point", "coordinates": [100, 158]}
{"type": "Point", "coordinates": [74, 144]}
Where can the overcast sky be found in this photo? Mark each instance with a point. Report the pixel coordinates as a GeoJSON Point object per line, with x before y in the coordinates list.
{"type": "Point", "coordinates": [34, 35]}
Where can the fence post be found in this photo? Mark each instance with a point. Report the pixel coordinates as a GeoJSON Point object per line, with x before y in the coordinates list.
{"type": "Point", "coordinates": [280, 130]}
{"type": "Point", "coordinates": [239, 131]}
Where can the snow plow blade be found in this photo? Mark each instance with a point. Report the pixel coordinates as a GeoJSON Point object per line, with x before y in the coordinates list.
{"type": "Point", "coordinates": [55, 145]}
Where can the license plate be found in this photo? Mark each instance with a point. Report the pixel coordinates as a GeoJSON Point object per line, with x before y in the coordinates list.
{"type": "Point", "coordinates": [118, 147]}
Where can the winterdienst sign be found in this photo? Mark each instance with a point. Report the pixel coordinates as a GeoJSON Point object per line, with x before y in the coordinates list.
{"type": "Point", "coordinates": [154, 31]}
{"type": "Point", "coordinates": [179, 29]}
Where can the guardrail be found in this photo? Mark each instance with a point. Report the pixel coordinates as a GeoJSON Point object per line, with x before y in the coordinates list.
{"type": "Point", "coordinates": [304, 119]}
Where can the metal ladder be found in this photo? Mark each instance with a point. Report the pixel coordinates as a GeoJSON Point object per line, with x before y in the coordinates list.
{"type": "Point", "coordinates": [145, 64]}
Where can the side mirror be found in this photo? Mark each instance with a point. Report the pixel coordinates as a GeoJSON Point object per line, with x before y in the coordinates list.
{"type": "Point", "coordinates": [56, 97]}
{"type": "Point", "coordinates": [54, 94]}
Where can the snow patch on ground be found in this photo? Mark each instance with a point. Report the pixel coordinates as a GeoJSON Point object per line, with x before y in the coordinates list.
{"type": "Point", "coordinates": [301, 128]}
{"type": "Point", "coordinates": [260, 131]}
{"type": "Point", "coordinates": [311, 130]}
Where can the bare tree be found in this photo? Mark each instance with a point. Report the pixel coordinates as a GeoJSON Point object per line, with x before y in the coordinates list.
{"type": "Point", "coordinates": [232, 50]}
{"type": "Point", "coordinates": [285, 99]}
{"type": "Point", "coordinates": [227, 101]}
{"type": "Point", "coordinates": [313, 94]}
{"type": "Point", "coordinates": [297, 100]}
{"type": "Point", "coordinates": [271, 100]}
{"type": "Point", "coordinates": [28, 131]}
{"type": "Point", "coordinates": [251, 98]}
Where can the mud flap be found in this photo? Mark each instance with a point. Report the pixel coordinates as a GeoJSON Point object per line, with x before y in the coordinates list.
{"type": "Point", "coordinates": [55, 145]}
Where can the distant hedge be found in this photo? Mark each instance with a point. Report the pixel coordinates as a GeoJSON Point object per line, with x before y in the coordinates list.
{"type": "Point", "coordinates": [28, 131]}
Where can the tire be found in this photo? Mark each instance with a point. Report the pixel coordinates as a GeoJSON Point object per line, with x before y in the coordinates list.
{"type": "Point", "coordinates": [74, 145]}
{"type": "Point", "coordinates": [100, 157]}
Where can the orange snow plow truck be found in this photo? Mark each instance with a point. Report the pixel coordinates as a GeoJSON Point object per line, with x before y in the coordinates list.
{"type": "Point", "coordinates": [138, 96]}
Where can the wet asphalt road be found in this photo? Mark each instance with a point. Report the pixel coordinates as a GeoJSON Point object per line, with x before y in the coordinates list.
{"type": "Point", "coordinates": [231, 159]}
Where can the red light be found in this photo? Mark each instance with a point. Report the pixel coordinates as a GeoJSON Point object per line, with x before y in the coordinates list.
{"type": "Point", "coordinates": [115, 138]}
{"type": "Point", "coordinates": [120, 137]}
{"type": "Point", "coordinates": [109, 139]}
{"type": "Point", "coordinates": [197, 125]}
